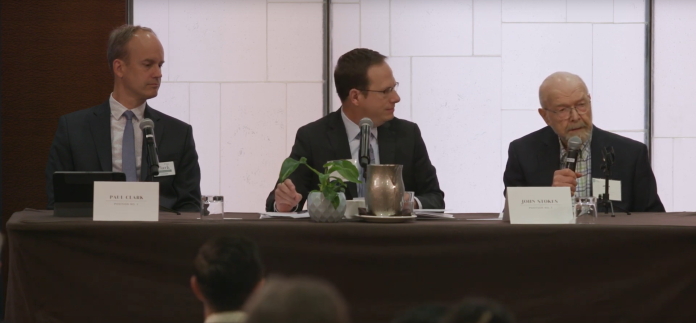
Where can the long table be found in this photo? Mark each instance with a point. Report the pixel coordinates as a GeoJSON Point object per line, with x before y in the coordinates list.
{"type": "Point", "coordinates": [631, 268]}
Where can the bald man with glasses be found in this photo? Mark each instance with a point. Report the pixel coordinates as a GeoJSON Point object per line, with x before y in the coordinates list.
{"type": "Point", "coordinates": [537, 159]}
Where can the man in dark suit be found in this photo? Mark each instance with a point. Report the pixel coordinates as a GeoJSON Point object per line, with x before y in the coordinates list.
{"type": "Point", "coordinates": [367, 88]}
{"type": "Point", "coordinates": [107, 137]}
{"type": "Point", "coordinates": [536, 159]}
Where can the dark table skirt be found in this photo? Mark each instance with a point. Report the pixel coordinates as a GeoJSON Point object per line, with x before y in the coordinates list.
{"type": "Point", "coordinates": [637, 268]}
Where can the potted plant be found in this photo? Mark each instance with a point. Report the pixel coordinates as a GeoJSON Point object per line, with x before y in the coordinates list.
{"type": "Point", "coordinates": [328, 203]}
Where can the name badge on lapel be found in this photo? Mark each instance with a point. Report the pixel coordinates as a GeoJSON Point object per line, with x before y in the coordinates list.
{"type": "Point", "coordinates": [166, 169]}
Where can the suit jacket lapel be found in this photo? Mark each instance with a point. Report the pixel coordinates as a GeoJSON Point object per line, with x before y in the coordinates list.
{"type": "Point", "coordinates": [386, 138]}
{"type": "Point", "coordinates": [596, 146]}
{"type": "Point", "coordinates": [549, 157]}
{"type": "Point", "coordinates": [100, 125]}
{"type": "Point", "coordinates": [153, 115]}
{"type": "Point", "coordinates": [338, 138]}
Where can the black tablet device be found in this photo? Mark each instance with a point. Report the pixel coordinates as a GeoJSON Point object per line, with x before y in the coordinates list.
{"type": "Point", "coordinates": [73, 192]}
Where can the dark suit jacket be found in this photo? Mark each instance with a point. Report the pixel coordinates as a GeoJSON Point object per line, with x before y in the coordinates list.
{"type": "Point", "coordinates": [534, 158]}
{"type": "Point", "coordinates": [400, 142]}
{"type": "Point", "coordinates": [83, 143]}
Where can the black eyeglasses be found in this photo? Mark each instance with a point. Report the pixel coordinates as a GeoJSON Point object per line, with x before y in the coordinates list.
{"type": "Point", "coordinates": [386, 91]}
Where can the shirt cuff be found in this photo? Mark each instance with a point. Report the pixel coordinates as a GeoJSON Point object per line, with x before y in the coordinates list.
{"type": "Point", "coordinates": [276, 209]}
{"type": "Point", "coordinates": [415, 206]}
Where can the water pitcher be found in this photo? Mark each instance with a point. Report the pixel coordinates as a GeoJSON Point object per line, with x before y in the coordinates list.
{"type": "Point", "coordinates": [384, 190]}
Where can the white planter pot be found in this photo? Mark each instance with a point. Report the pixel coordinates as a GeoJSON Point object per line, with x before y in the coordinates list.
{"type": "Point", "coordinates": [321, 209]}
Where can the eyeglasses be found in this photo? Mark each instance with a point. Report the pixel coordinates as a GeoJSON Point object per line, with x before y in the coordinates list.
{"type": "Point", "coordinates": [564, 113]}
{"type": "Point", "coordinates": [386, 91]}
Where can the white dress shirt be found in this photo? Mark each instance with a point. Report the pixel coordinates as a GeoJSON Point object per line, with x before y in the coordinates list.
{"type": "Point", "coordinates": [118, 125]}
{"type": "Point", "coordinates": [353, 131]}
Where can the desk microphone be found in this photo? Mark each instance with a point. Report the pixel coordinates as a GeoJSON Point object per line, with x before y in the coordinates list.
{"type": "Point", "coordinates": [148, 128]}
{"type": "Point", "coordinates": [574, 144]}
{"type": "Point", "coordinates": [365, 126]}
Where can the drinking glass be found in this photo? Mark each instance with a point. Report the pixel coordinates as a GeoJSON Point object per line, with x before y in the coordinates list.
{"type": "Point", "coordinates": [585, 210]}
{"type": "Point", "coordinates": [407, 209]}
{"type": "Point", "coordinates": [212, 207]}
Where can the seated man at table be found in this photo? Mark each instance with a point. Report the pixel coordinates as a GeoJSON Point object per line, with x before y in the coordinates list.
{"type": "Point", "coordinates": [367, 88]}
{"type": "Point", "coordinates": [107, 137]}
{"type": "Point", "coordinates": [225, 273]}
{"type": "Point", "coordinates": [537, 159]}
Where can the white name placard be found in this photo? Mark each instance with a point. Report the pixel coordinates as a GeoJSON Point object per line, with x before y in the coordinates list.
{"type": "Point", "coordinates": [539, 205]}
{"type": "Point", "coordinates": [126, 201]}
{"type": "Point", "coordinates": [598, 187]}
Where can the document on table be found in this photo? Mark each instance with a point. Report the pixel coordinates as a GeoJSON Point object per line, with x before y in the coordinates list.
{"type": "Point", "coordinates": [288, 215]}
{"type": "Point", "coordinates": [430, 215]}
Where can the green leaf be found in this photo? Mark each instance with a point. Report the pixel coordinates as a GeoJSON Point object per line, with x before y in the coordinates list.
{"type": "Point", "coordinates": [350, 175]}
{"type": "Point", "coordinates": [338, 184]}
{"type": "Point", "coordinates": [331, 195]}
{"type": "Point", "coordinates": [324, 179]}
{"type": "Point", "coordinates": [336, 201]}
{"type": "Point", "coordinates": [288, 167]}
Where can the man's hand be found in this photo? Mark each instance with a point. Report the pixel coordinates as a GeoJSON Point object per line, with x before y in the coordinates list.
{"type": "Point", "coordinates": [566, 178]}
{"type": "Point", "coordinates": [286, 197]}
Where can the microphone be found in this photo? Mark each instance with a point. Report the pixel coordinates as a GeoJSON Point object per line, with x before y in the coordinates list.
{"type": "Point", "coordinates": [148, 128]}
{"type": "Point", "coordinates": [365, 126]}
{"type": "Point", "coordinates": [574, 144]}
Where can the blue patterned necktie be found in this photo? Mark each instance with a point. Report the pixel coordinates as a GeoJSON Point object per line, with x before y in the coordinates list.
{"type": "Point", "coordinates": [128, 157]}
{"type": "Point", "coordinates": [362, 190]}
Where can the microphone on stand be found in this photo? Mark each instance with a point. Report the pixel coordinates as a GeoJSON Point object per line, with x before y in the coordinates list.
{"type": "Point", "coordinates": [574, 144]}
{"type": "Point", "coordinates": [365, 126]}
{"type": "Point", "coordinates": [148, 128]}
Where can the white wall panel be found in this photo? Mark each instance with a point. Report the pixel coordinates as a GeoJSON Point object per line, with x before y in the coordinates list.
{"type": "Point", "coordinates": [638, 136]}
{"type": "Point", "coordinates": [206, 123]}
{"type": "Point", "coordinates": [531, 52]}
{"type": "Point", "coordinates": [590, 10]}
{"type": "Point", "coordinates": [534, 10]}
{"type": "Point", "coordinates": [345, 36]}
{"type": "Point", "coordinates": [401, 66]}
{"type": "Point", "coordinates": [456, 103]}
{"type": "Point", "coordinates": [431, 28]}
{"type": "Point", "coordinates": [684, 177]}
{"type": "Point", "coordinates": [154, 15]}
{"type": "Point", "coordinates": [618, 95]}
{"type": "Point", "coordinates": [173, 100]}
{"type": "Point", "coordinates": [487, 27]}
{"type": "Point", "coordinates": [630, 10]}
{"type": "Point", "coordinates": [253, 142]}
{"type": "Point", "coordinates": [663, 167]}
{"type": "Point", "coordinates": [295, 43]}
{"type": "Point", "coordinates": [217, 41]}
{"type": "Point", "coordinates": [674, 79]}
{"type": "Point", "coordinates": [305, 104]}
{"type": "Point", "coordinates": [675, 68]}
{"type": "Point", "coordinates": [374, 25]}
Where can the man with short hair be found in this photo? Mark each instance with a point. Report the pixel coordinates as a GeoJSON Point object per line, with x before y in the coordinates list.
{"type": "Point", "coordinates": [367, 88]}
{"type": "Point", "coordinates": [538, 159]}
{"type": "Point", "coordinates": [107, 137]}
{"type": "Point", "coordinates": [226, 271]}
{"type": "Point", "coordinates": [305, 300]}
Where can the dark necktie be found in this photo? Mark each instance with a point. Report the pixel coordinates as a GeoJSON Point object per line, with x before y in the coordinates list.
{"type": "Point", "coordinates": [128, 157]}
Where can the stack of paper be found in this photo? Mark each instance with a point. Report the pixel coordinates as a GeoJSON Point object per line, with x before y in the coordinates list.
{"type": "Point", "coordinates": [433, 214]}
{"type": "Point", "coordinates": [288, 215]}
